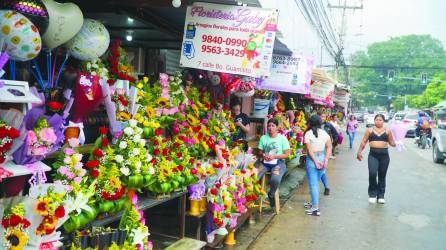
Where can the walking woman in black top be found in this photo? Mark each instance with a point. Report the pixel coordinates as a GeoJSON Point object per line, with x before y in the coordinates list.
{"type": "Point", "coordinates": [379, 139]}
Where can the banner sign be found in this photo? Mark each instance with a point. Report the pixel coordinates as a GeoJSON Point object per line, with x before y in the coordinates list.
{"type": "Point", "coordinates": [322, 91]}
{"type": "Point", "coordinates": [289, 74]}
{"type": "Point", "coordinates": [229, 39]}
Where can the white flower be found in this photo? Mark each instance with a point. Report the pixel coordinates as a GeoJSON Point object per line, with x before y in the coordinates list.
{"type": "Point", "coordinates": [138, 164]}
{"type": "Point", "coordinates": [149, 157]}
{"type": "Point", "coordinates": [125, 171]}
{"type": "Point", "coordinates": [78, 157]}
{"type": "Point", "coordinates": [82, 172]}
{"type": "Point", "coordinates": [133, 123]}
{"type": "Point", "coordinates": [128, 131]}
{"type": "Point", "coordinates": [93, 73]}
{"type": "Point", "coordinates": [119, 158]}
{"type": "Point", "coordinates": [138, 130]}
{"type": "Point", "coordinates": [171, 78]}
{"type": "Point", "coordinates": [151, 170]}
{"type": "Point", "coordinates": [142, 142]}
{"type": "Point", "coordinates": [123, 145]}
{"type": "Point", "coordinates": [136, 138]}
{"type": "Point", "coordinates": [139, 235]}
{"type": "Point", "coordinates": [136, 151]}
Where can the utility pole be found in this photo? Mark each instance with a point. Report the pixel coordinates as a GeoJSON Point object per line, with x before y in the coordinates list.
{"type": "Point", "coordinates": [343, 30]}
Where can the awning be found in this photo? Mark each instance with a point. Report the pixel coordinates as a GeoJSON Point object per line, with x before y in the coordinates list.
{"type": "Point", "coordinates": [152, 24]}
{"type": "Point", "coordinates": [441, 105]}
{"type": "Point", "coordinates": [319, 75]}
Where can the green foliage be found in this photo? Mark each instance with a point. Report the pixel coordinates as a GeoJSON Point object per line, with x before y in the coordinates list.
{"type": "Point", "coordinates": [406, 51]}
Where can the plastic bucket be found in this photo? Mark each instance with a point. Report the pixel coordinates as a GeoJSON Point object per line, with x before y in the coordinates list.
{"type": "Point", "coordinates": [261, 107]}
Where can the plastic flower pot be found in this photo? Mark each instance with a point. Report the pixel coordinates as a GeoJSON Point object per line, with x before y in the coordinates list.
{"type": "Point", "coordinates": [203, 203]}
{"type": "Point", "coordinates": [194, 207]}
{"type": "Point", "coordinates": [230, 239]}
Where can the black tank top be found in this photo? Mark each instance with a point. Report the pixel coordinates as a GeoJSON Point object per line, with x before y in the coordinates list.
{"type": "Point", "coordinates": [374, 137]}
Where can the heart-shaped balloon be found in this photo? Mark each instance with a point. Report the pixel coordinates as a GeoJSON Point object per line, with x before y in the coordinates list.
{"type": "Point", "coordinates": [21, 36]}
{"type": "Point", "coordinates": [91, 42]}
{"type": "Point", "coordinates": [65, 21]}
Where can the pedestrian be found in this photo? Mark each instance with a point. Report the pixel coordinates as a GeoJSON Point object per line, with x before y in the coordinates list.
{"type": "Point", "coordinates": [318, 144]}
{"type": "Point", "coordinates": [379, 139]}
{"type": "Point", "coordinates": [274, 149]}
{"type": "Point", "coordinates": [331, 131]}
{"type": "Point", "coordinates": [241, 121]}
{"type": "Point", "coordinates": [352, 127]}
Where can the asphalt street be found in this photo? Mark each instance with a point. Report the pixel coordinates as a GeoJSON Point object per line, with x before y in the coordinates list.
{"type": "Point", "coordinates": [414, 216]}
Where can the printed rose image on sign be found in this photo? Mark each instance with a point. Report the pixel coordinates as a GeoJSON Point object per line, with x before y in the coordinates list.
{"type": "Point", "coordinates": [21, 36]}
{"type": "Point", "coordinates": [229, 39]}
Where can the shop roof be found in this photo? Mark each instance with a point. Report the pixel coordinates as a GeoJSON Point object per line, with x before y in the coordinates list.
{"type": "Point", "coordinates": [152, 24]}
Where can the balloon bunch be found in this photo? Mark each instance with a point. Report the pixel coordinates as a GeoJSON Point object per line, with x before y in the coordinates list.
{"type": "Point", "coordinates": [33, 24]}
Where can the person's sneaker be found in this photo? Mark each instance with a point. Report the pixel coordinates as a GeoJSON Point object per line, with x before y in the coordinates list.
{"type": "Point", "coordinates": [333, 157]}
{"type": "Point", "coordinates": [307, 205]}
{"type": "Point", "coordinates": [327, 191]}
{"type": "Point", "coordinates": [313, 212]}
{"type": "Point", "coordinates": [381, 201]}
{"type": "Point", "coordinates": [372, 200]}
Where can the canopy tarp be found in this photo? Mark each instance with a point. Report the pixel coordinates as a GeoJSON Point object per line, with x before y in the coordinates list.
{"type": "Point", "coordinates": [440, 105]}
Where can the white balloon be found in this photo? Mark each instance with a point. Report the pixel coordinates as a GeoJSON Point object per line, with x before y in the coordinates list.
{"type": "Point", "coordinates": [91, 42]}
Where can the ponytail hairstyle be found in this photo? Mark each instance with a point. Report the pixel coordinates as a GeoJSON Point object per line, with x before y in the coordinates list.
{"type": "Point", "coordinates": [314, 123]}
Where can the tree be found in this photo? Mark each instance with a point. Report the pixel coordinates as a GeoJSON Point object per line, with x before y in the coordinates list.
{"type": "Point", "coordinates": [373, 87]}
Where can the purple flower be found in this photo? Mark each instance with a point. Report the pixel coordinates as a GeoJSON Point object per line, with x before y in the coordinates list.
{"type": "Point", "coordinates": [221, 142]}
{"type": "Point", "coordinates": [204, 121]}
{"type": "Point", "coordinates": [68, 151]}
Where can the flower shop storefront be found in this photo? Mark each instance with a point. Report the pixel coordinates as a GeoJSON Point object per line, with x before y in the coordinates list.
{"type": "Point", "coordinates": [96, 154]}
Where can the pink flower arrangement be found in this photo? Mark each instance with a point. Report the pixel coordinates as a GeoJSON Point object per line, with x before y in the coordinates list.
{"type": "Point", "coordinates": [70, 171]}
{"type": "Point", "coordinates": [41, 142]}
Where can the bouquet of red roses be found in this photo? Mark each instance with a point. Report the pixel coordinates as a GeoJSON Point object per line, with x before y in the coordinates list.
{"type": "Point", "coordinates": [7, 135]}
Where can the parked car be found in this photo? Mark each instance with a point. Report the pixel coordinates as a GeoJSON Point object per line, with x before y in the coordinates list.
{"type": "Point", "coordinates": [385, 114]}
{"type": "Point", "coordinates": [370, 121]}
{"type": "Point", "coordinates": [439, 144]}
{"type": "Point", "coordinates": [411, 119]}
{"type": "Point", "coordinates": [399, 116]}
{"type": "Point", "coordinates": [359, 117]}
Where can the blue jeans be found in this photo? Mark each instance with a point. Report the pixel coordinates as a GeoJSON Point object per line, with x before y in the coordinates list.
{"type": "Point", "coordinates": [277, 172]}
{"type": "Point", "coordinates": [314, 175]}
{"type": "Point", "coordinates": [351, 137]}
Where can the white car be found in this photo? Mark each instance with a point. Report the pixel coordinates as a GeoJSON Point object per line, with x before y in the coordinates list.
{"type": "Point", "coordinates": [411, 119]}
{"type": "Point", "coordinates": [385, 114]}
{"type": "Point", "coordinates": [399, 116]}
{"type": "Point", "coordinates": [370, 121]}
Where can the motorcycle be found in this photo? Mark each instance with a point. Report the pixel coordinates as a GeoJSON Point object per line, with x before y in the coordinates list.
{"type": "Point", "coordinates": [424, 139]}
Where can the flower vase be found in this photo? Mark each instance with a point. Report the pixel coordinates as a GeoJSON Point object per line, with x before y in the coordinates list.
{"type": "Point", "coordinates": [230, 239]}
{"type": "Point", "coordinates": [203, 203]}
{"type": "Point", "coordinates": [71, 132]}
{"type": "Point", "coordinates": [194, 207]}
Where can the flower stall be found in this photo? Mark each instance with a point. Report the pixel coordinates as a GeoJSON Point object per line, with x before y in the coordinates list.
{"type": "Point", "coordinates": [164, 136]}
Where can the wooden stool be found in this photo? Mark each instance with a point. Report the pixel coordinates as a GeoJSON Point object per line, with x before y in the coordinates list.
{"type": "Point", "coordinates": [276, 195]}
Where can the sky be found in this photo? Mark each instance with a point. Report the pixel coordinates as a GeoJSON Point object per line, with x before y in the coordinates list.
{"type": "Point", "coordinates": [382, 19]}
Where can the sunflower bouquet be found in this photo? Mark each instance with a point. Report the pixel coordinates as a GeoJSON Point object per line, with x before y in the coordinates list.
{"type": "Point", "coordinates": [132, 157]}
{"type": "Point", "coordinates": [50, 206]}
{"type": "Point", "coordinates": [122, 104]}
{"type": "Point", "coordinates": [15, 225]}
